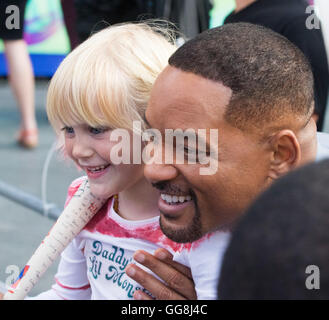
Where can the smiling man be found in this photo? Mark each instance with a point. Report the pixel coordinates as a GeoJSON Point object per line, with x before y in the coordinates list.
{"type": "Point", "coordinates": [256, 89]}
{"type": "Point", "coordinates": [261, 106]}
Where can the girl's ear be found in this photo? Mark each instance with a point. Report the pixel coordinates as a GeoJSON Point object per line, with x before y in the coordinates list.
{"type": "Point", "coordinates": [286, 153]}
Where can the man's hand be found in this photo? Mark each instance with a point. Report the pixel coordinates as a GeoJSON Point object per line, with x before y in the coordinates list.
{"type": "Point", "coordinates": [1, 295]}
{"type": "Point", "coordinates": [178, 283]}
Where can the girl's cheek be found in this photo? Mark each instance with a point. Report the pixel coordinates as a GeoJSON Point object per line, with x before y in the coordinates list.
{"type": "Point", "coordinates": [68, 154]}
{"type": "Point", "coordinates": [68, 149]}
{"type": "Point", "coordinates": [106, 149]}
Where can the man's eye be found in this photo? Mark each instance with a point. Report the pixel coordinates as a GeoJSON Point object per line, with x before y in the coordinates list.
{"type": "Point", "coordinates": [191, 154]}
{"type": "Point", "coordinates": [187, 150]}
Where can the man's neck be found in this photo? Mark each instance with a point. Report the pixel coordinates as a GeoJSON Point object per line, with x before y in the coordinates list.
{"type": "Point", "coordinates": [241, 4]}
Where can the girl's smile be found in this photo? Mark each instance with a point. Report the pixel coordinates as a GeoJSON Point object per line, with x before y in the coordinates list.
{"type": "Point", "coordinates": [96, 172]}
{"type": "Point", "coordinates": [90, 148]}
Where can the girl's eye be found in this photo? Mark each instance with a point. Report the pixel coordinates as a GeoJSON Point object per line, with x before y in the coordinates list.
{"type": "Point", "coordinates": [97, 130]}
{"type": "Point", "coordinates": [68, 130]}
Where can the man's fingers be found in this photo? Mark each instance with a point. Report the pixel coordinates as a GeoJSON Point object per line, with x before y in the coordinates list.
{"type": "Point", "coordinates": [140, 295]}
{"type": "Point", "coordinates": [150, 283]}
{"type": "Point", "coordinates": [177, 281]}
{"type": "Point", "coordinates": [165, 256]}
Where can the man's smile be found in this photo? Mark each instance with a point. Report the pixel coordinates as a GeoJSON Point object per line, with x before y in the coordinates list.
{"type": "Point", "coordinates": [173, 199]}
{"type": "Point", "coordinates": [174, 207]}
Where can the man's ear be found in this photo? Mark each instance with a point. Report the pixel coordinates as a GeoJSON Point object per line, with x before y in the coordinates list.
{"type": "Point", "coordinates": [286, 153]}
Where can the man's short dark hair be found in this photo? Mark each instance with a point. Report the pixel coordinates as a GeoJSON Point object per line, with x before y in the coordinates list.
{"type": "Point", "coordinates": [283, 233]}
{"type": "Point", "coordinates": [268, 75]}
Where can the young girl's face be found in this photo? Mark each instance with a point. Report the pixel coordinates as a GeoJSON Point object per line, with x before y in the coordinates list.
{"type": "Point", "coordinates": [90, 149]}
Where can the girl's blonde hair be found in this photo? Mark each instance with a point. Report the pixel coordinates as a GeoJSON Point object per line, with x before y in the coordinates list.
{"type": "Point", "coordinates": [106, 81]}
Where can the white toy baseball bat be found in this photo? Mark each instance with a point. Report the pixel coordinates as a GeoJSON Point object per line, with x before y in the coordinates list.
{"type": "Point", "coordinates": [82, 207]}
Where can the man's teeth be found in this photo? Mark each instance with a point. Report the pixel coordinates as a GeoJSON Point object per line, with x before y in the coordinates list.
{"type": "Point", "coordinates": [174, 199]}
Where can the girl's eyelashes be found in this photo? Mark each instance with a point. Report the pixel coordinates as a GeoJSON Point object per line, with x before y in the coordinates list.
{"type": "Point", "coordinates": [97, 130]}
{"type": "Point", "coordinates": [68, 130]}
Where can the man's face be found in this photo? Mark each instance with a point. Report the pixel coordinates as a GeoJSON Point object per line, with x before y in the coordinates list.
{"type": "Point", "coordinates": [181, 100]}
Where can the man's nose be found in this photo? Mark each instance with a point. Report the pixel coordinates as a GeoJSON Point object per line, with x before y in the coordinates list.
{"type": "Point", "coordinates": [81, 149]}
{"type": "Point", "coordinates": [159, 172]}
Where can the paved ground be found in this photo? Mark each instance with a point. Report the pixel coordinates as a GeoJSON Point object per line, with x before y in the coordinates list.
{"type": "Point", "coordinates": [21, 230]}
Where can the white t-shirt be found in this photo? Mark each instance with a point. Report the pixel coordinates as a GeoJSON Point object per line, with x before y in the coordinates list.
{"type": "Point", "coordinates": [204, 258]}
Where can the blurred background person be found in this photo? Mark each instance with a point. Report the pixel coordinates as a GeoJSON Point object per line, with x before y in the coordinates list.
{"type": "Point", "coordinates": [323, 11]}
{"type": "Point", "coordinates": [279, 249]}
{"type": "Point", "coordinates": [20, 71]}
{"type": "Point", "coordinates": [70, 20]}
{"type": "Point", "coordinates": [190, 16]}
{"type": "Point", "coordinates": [94, 15]}
{"type": "Point", "coordinates": [289, 19]}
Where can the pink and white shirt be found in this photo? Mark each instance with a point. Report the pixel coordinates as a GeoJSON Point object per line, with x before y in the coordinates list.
{"type": "Point", "coordinates": [93, 265]}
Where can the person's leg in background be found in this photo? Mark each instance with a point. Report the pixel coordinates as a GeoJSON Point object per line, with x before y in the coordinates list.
{"type": "Point", "coordinates": [21, 78]}
{"type": "Point", "coordinates": [20, 74]}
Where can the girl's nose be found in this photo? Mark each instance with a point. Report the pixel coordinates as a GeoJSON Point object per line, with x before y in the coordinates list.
{"type": "Point", "coordinates": [81, 149]}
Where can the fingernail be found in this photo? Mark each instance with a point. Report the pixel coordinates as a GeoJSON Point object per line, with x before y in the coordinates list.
{"type": "Point", "coordinates": [137, 296]}
{"type": "Point", "coordinates": [130, 271]}
{"type": "Point", "coordinates": [139, 257]}
{"type": "Point", "coordinates": [161, 255]}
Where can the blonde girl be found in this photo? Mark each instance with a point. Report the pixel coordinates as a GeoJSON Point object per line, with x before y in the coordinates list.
{"type": "Point", "coordinates": [104, 84]}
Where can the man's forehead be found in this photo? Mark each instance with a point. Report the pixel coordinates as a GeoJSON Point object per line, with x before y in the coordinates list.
{"type": "Point", "coordinates": [180, 97]}
{"type": "Point", "coordinates": [174, 80]}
